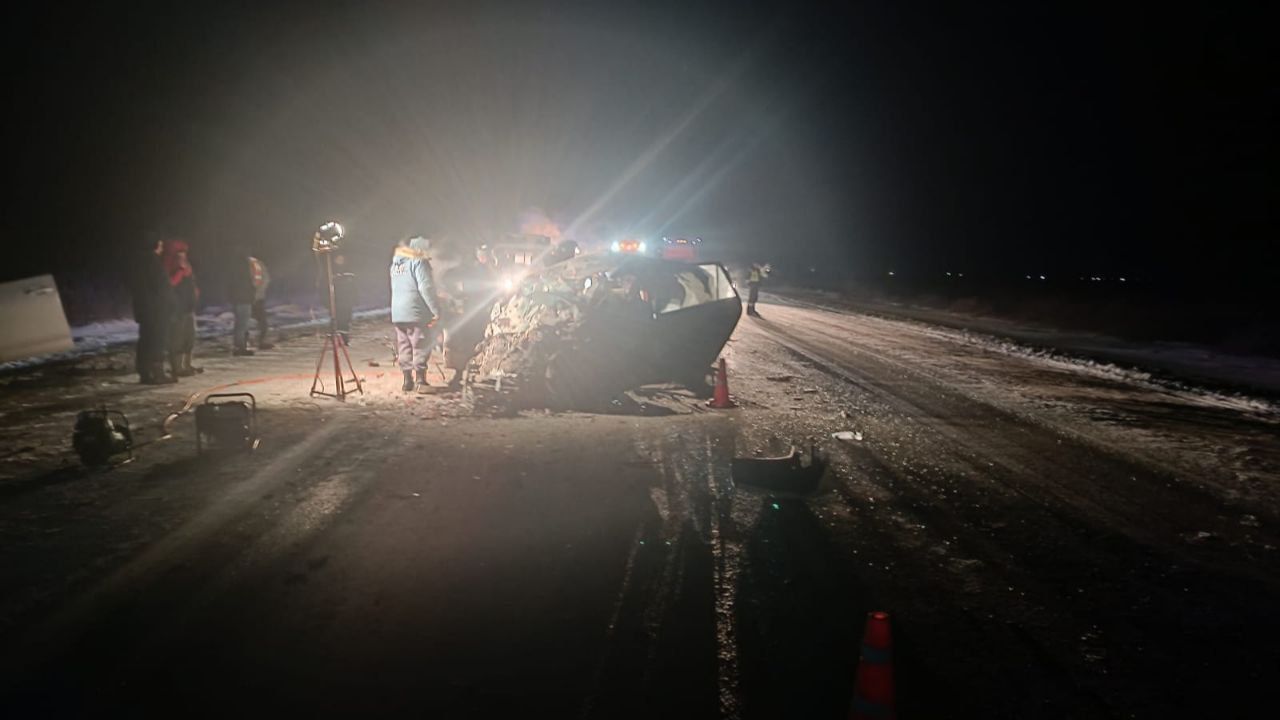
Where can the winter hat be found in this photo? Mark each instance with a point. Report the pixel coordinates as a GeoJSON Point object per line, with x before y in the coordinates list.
{"type": "Point", "coordinates": [421, 244]}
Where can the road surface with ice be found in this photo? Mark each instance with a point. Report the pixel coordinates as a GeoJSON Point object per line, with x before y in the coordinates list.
{"type": "Point", "coordinates": [1053, 538]}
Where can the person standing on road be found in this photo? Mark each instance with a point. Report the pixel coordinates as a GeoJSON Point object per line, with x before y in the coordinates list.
{"type": "Point", "coordinates": [415, 311]}
{"type": "Point", "coordinates": [754, 277]}
{"type": "Point", "coordinates": [240, 291]}
{"type": "Point", "coordinates": [248, 293]}
{"type": "Point", "coordinates": [261, 281]}
{"type": "Point", "coordinates": [153, 306]}
{"type": "Point", "coordinates": [182, 328]}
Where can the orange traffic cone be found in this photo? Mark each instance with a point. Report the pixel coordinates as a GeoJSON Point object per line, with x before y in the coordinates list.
{"type": "Point", "coordinates": [721, 399]}
{"type": "Point", "coordinates": [873, 688]}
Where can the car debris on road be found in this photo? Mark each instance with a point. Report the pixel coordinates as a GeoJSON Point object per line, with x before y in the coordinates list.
{"type": "Point", "coordinates": [577, 334]}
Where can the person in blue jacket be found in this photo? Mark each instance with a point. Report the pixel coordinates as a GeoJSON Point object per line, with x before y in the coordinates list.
{"type": "Point", "coordinates": [415, 311]}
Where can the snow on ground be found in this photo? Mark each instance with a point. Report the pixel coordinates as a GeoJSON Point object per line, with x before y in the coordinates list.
{"type": "Point", "coordinates": [1106, 370]}
{"type": "Point", "coordinates": [1179, 367]}
{"type": "Point", "coordinates": [215, 321]}
{"type": "Point", "coordinates": [1219, 439]}
{"type": "Point", "coordinates": [42, 400]}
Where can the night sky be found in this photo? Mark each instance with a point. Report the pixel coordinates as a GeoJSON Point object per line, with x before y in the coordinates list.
{"type": "Point", "coordinates": [1062, 139]}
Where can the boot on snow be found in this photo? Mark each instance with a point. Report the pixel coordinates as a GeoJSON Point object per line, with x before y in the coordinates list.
{"type": "Point", "coordinates": [178, 366]}
{"type": "Point", "coordinates": [158, 376]}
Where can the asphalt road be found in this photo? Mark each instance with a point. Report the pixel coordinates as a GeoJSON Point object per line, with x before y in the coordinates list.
{"type": "Point", "coordinates": [1051, 539]}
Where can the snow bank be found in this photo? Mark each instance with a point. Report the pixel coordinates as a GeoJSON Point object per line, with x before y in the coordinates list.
{"type": "Point", "coordinates": [215, 321]}
{"type": "Point", "coordinates": [1107, 370]}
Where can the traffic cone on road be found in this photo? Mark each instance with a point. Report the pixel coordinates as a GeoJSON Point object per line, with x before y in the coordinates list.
{"type": "Point", "coordinates": [721, 399]}
{"type": "Point", "coordinates": [873, 687]}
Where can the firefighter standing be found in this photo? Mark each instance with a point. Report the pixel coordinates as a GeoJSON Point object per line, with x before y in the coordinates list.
{"type": "Point", "coordinates": [415, 311]}
{"type": "Point", "coordinates": [241, 292]}
{"type": "Point", "coordinates": [753, 286]}
{"type": "Point", "coordinates": [261, 280]}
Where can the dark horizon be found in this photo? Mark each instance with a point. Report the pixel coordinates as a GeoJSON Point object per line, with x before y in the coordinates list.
{"type": "Point", "coordinates": [1068, 141]}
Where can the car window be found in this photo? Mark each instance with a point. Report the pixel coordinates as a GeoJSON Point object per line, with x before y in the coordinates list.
{"type": "Point", "coordinates": [696, 286]}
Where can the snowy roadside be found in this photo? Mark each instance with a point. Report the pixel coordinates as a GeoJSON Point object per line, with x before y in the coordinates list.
{"type": "Point", "coordinates": [1175, 365]}
{"type": "Point", "coordinates": [215, 321]}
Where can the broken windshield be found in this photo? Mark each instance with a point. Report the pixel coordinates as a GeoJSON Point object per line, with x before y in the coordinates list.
{"type": "Point", "coordinates": [696, 286]}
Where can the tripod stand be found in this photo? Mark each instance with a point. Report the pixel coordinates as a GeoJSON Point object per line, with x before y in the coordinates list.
{"type": "Point", "coordinates": [333, 343]}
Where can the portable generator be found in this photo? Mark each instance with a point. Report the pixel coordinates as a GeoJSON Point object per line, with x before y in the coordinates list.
{"type": "Point", "coordinates": [101, 435]}
{"type": "Point", "coordinates": [227, 421]}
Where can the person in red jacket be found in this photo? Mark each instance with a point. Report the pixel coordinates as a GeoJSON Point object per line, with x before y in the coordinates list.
{"type": "Point", "coordinates": [182, 327]}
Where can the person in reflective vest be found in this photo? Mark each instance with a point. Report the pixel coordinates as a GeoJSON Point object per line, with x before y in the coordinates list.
{"type": "Point", "coordinates": [247, 290]}
{"type": "Point", "coordinates": [753, 286]}
{"type": "Point", "coordinates": [261, 281]}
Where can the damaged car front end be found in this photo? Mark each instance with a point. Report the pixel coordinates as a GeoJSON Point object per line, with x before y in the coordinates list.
{"type": "Point", "coordinates": [578, 333]}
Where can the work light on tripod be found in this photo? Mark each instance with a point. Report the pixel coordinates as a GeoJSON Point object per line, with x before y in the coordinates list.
{"type": "Point", "coordinates": [327, 240]}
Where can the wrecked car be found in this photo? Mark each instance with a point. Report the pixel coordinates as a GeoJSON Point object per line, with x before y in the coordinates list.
{"type": "Point", "coordinates": [577, 334]}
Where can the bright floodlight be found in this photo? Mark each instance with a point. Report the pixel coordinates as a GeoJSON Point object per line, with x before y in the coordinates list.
{"type": "Point", "coordinates": [328, 237]}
